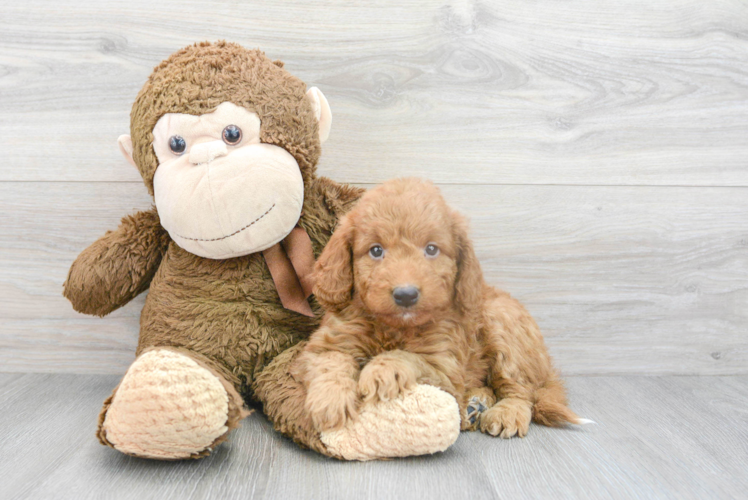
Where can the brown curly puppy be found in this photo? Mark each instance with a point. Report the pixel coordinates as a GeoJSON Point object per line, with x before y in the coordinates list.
{"type": "Point", "coordinates": [407, 304]}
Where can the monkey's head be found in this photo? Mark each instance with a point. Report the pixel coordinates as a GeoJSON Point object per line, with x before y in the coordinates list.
{"type": "Point", "coordinates": [225, 140]}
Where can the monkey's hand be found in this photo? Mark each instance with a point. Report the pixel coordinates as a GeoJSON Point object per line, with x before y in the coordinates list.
{"type": "Point", "coordinates": [118, 266]}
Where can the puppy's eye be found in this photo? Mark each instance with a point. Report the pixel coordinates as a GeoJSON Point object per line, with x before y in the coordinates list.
{"type": "Point", "coordinates": [177, 144]}
{"type": "Point", "coordinates": [232, 135]}
{"type": "Point", "coordinates": [431, 250]}
{"type": "Point", "coordinates": [376, 252]}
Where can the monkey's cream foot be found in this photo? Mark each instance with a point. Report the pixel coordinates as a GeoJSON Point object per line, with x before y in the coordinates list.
{"type": "Point", "coordinates": [422, 421]}
{"type": "Point", "coordinates": [508, 418]}
{"type": "Point", "coordinates": [169, 407]}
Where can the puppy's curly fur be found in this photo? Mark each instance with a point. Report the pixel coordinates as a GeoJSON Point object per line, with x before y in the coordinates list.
{"type": "Point", "coordinates": [461, 335]}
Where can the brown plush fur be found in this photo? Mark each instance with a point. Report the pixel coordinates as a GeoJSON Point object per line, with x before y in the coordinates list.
{"type": "Point", "coordinates": [118, 266]}
{"type": "Point", "coordinates": [226, 314]}
{"type": "Point", "coordinates": [282, 393]}
{"type": "Point", "coordinates": [196, 79]}
{"type": "Point", "coordinates": [461, 335]}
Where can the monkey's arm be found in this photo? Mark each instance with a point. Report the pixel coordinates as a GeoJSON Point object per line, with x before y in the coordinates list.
{"type": "Point", "coordinates": [118, 266]}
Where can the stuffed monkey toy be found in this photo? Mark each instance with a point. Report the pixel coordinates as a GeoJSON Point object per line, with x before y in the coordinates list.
{"type": "Point", "coordinates": [227, 142]}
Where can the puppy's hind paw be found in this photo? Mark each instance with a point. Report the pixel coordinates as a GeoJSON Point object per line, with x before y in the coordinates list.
{"type": "Point", "coordinates": [474, 409]}
{"type": "Point", "coordinates": [508, 418]}
{"type": "Point", "coordinates": [478, 401]}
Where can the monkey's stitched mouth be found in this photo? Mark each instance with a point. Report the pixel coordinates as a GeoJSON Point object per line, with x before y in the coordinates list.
{"type": "Point", "coordinates": [232, 234]}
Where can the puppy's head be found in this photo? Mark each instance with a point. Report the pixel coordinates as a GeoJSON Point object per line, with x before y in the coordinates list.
{"type": "Point", "coordinates": [403, 255]}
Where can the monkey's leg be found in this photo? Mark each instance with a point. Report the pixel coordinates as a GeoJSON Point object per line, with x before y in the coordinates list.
{"type": "Point", "coordinates": [170, 405]}
{"type": "Point", "coordinates": [419, 422]}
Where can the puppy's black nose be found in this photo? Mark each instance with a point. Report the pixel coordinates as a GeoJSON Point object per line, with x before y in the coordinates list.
{"type": "Point", "coordinates": [405, 296]}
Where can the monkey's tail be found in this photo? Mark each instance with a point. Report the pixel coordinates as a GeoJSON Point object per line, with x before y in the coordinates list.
{"type": "Point", "coordinates": [550, 406]}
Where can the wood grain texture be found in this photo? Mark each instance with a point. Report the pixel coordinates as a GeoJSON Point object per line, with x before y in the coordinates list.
{"type": "Point", "coordinates": [656, 437]}
{"type": "Point", "coordinates": [588, 92]}
{"type": "Point", "coordinates": [599, 146]}
{"type": "Point", "coordinates": [621, 279]}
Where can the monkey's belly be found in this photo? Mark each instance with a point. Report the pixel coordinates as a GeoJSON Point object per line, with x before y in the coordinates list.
{"type": "Point", "coordinates": [228, 311]}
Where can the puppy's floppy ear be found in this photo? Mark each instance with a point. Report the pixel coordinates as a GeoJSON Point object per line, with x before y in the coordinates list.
{"type": "Point", "coordinates": [469, 282]}
{"type": "Point", "coordinates": [333, 272]}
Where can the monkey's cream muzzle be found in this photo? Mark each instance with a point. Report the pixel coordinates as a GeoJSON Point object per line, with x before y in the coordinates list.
{"type": "Point", "coordinates": [207, 152]}
{"type": "Point", "coordinates": [220, 200]}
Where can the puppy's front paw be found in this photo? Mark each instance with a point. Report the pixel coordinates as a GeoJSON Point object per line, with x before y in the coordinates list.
{"type": "Point", "coordinates": [385, 379]}
{"type": "Point", "coordinates": [508, 418]}
{"type": "Point", "coordinates": [331, 406]}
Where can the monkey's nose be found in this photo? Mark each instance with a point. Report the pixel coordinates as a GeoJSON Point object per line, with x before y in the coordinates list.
{"type": "Point", "coordinates": [207, 151]}
{"type": "Point", "coordinates": [405, 296]}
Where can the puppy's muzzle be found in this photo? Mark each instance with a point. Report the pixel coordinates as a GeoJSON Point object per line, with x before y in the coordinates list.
{"type": "Point", "coordinates": [405, 296]}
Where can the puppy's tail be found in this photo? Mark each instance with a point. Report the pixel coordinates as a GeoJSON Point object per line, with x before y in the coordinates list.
{"type": "Point", "coordinates": [550, 406]}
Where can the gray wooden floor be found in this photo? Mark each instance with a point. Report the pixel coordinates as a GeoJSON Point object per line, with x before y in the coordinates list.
{"type": "Point", "coordinates": [656, 437]}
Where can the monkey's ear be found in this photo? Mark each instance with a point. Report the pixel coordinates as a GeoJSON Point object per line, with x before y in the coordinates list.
{"type": "Point", "coordinates": [321, 111]}
{"type": "Point", "coordinates": [125, 146]}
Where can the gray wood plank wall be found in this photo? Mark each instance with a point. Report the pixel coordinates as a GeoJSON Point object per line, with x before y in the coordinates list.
{"type": "Point", "coordinates": [600, 148]}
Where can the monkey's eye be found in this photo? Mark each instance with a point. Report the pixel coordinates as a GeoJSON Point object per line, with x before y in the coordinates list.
{"type": "Point", "coordinates": [177, 144]}
{"type": "Point", "coordinates": [431, 250]}
{"type": "Point", "coordinates": [376, 252]}
{"type": "Point", "coordinates": [232, 134]}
